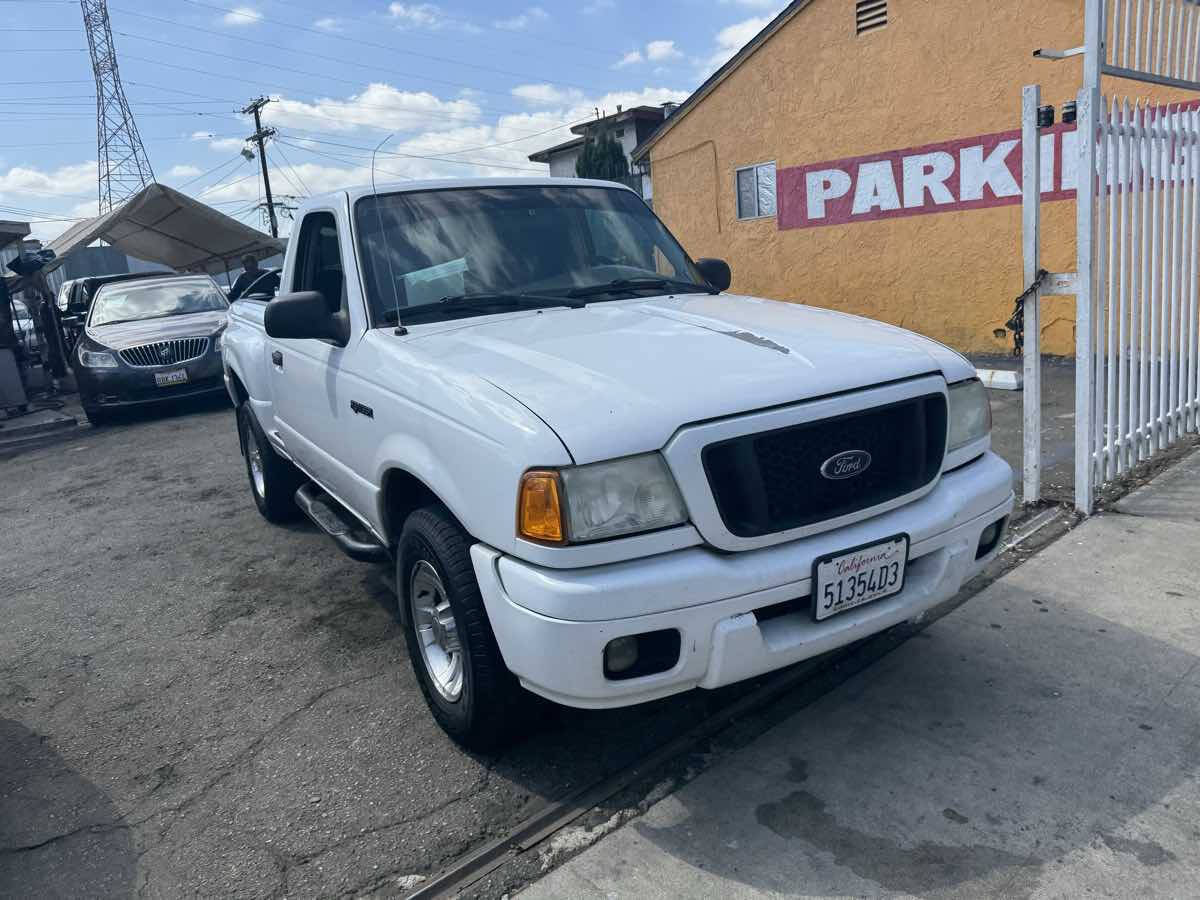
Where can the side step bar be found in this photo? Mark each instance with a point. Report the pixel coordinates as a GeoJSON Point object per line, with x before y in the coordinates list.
{"type": "Point", "coordinates": [328, 515]}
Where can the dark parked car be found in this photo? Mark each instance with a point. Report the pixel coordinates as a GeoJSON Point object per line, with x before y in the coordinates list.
{"type": "Point", "coordinates": [148, 340]}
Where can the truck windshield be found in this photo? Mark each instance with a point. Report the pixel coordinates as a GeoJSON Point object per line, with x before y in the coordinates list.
{"type": "Point", "coordinates": [135, 301]}
{"type": "Point", "coordinates": [427, 253]}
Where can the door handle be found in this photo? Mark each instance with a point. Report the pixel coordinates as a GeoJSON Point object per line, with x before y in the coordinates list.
{"type": "Point", "coordinates": [277, 358]}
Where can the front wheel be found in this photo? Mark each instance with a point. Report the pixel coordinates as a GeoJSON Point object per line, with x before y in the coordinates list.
{"type": "Point", "coordinates": [453, 651]}
{"type": "Point", "coordinates": [273, 480]}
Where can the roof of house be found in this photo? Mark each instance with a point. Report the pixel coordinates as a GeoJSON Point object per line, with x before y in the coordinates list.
{"type": "Point", "coordinates": [543, 156]}
{"type": "Point", "coordinates": [720, 75]}
{"type": "Point", "coordinates": [647, 113]}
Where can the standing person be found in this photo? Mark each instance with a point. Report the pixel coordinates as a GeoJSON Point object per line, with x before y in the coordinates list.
{"type": "Point", "coordinates": [250, 272]}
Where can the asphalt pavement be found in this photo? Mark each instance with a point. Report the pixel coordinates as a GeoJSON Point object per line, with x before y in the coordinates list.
{"type": "Point", "coordinates": [195, 701]}
{"type": "Point", "coordinates": [1042, 740]}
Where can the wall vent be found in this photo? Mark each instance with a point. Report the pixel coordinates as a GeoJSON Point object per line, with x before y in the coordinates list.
{"type": "Point", "coordinates": [869, 15]}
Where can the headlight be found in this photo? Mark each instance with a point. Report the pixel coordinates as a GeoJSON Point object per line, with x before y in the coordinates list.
{"type": "Point", "coordinates": [970, 413]}
{"type": "Point", "coordinates": [601, 500]}
{"type": "Point", "coordinates": [96, 359]}
{"type": "Point", "coordinates": [218, 341]}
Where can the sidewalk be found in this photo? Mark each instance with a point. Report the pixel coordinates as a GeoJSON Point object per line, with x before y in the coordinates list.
{"type": "Point", "coordinates": [1043, 740]}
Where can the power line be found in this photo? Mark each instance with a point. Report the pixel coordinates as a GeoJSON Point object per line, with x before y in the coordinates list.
{"type": "Point", "coordinates": [358, 42]}
{"type": "Point", "coordinates": [467, 28]}
{"type": "Point", "coordinates": [303, 187]}
{"type": "Point", "coordinates": [462, 162]}
{"type": "Point", "coordinates": [327, 77]}
{"type": "Point", "coordinates": [238, 158]}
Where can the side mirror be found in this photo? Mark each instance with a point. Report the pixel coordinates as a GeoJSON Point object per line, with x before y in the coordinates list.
{"type": "Point", "coordinates": [303, 315]}
{"type": "Point", "coordinates": [716, 272]}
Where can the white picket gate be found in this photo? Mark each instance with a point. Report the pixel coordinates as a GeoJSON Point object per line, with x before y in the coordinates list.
{"type": "Point", "coordinates": [1137, 339]}
{"type": "Point", "coordinates": [1144, 313]}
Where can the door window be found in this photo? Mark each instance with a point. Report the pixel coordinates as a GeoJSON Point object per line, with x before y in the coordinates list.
{"type": "Point", "coordinates": [319, 260]}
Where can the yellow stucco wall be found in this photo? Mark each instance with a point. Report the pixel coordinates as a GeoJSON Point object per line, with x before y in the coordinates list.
{"type": "Point", "coordinates": [940, 70]}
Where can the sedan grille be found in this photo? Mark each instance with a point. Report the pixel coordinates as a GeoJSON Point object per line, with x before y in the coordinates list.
{"type": "Point", "coordinates": [773, 481]}
{"type": "Point", "coordinates": [165, 353]}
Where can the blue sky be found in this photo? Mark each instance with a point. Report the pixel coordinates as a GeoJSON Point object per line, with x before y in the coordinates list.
{"type": "Point", "coordinates": [467, 88]}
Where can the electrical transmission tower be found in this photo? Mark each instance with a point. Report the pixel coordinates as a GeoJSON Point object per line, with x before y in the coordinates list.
{"type": "Point", "coordinates": [124, 168]}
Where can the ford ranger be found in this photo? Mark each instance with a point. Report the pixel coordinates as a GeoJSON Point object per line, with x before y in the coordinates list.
{"type": "Point", "coordinates": [600, 476]}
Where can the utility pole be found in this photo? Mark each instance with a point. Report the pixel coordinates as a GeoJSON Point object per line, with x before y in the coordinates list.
{"type": "Point", "coordinates": [260, 137]}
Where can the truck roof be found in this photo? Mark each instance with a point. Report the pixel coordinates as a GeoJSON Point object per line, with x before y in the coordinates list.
{"type": "Point", "coordinates": [433, 184]}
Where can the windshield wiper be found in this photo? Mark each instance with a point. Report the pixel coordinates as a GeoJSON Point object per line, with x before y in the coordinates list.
{"type": "Point", "coordinates": [624, 285]}
{"type": "Point", "coordinates": [483, 302]}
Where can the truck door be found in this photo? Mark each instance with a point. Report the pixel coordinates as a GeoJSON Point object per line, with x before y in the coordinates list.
{"type": "Point", "coordinates": [309, 409]}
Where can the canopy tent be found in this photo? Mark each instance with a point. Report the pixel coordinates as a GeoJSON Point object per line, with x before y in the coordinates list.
{"type": "Point", "coordinates": [159, 224]}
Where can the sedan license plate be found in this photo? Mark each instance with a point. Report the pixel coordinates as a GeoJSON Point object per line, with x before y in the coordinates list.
{"type": "Point", "coordinates": [851, 578]}
{"type": "Point", "coordinates": [167, 379]}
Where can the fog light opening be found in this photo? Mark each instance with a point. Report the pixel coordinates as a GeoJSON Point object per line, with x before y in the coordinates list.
{"type": "Point", "coordinates": [620, 655]}
{"type": "Point", "coordinates": [636, 655]}
{"type": "Point", "coordinates": [990, 538]}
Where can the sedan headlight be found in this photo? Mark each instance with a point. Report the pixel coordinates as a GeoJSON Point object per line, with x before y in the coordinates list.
{"type": "Point", "coordinates": [597, 501]}
{"type": "Point", "coordinates": [97, 359]}
{"type": "Point", "coordinates": [970, 413]}
{"type": "Point", "coordinates": [218, 341]}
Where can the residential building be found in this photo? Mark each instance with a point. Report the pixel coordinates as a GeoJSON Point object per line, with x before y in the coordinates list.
{"type": "Point", "coordinates": [866, 155]}
{"type": "Point", "coordinates": [630, 127]}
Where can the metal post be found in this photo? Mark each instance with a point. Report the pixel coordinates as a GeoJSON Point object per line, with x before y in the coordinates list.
{"type": "Point", "coordinates": [1088, 108]}
{"type": "Point", "coordinates": [1031, 233]}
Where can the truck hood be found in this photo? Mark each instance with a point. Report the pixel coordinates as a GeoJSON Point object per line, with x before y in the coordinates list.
{"type": "Point", "coordinates": [620, 377]}
{"type": "Point", "coordinates": [120, 335]}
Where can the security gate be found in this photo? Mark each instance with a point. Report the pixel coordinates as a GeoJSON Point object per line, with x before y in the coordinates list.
{"type": "Point", "coordinates": [1137, 381]}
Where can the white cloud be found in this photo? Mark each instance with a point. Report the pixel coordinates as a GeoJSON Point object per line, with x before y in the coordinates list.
{"type": "Point", "coordinates": [632, 58]}
{"type": "Point", "coordinates": [220, 145]}
{"type": "Point", "coordinates": [242, 15]}
{"type": "Point", "coordinates": [379, 106]}
{"type": "Point", "coordinates": [546, 94]}
{"type": "Point", "coordinates": [521, 21]}
{"type": "Point", "coordinates": [66, 180]}
{"type": "Point", "coordinates": [417, 15]}
{"type": "Point", "coordinates": [657, 51]}
{"type": "Point", "coordinates": [183, 171]}
{"type": "Point", "coordinates": [732, 38]}
{"type": "Point", "coordinates": [329, 23]}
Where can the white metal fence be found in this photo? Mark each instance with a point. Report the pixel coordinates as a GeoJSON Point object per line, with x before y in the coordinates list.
{"type": "Point", "coordinates": [1153, 40]}
{"type": "Point", "coordinates": [1144, 330]}
{"type": "Point", "coordinates": [1137, 322]}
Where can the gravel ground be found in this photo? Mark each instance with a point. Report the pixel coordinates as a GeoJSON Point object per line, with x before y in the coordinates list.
{"type": "Point", "coordinates": [193, 701]}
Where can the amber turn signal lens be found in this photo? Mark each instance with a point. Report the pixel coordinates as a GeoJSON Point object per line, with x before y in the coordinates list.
{"type": "Point", "coordinates": [539, 512]}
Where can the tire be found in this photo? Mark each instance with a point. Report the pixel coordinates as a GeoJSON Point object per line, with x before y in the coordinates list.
{"type": "Point", "coordinates": [97, 417]}
{"type": "Point", "coordinates": [277, 480]}
{"type": "Point", "coordinates": [479, 708]}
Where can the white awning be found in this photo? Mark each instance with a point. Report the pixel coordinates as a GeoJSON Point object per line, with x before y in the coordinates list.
{"type": "Point", "coordinates": [161, 225]}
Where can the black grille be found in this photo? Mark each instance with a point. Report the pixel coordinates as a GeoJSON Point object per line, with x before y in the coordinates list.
{"type": "Point", "coordinates": [772, 481]}
{"type": "Point", "coordinates": [166, 353]}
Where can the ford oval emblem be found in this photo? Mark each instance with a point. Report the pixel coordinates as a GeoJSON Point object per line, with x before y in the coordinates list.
{"type": "Point", "coordinates": [846, 464]}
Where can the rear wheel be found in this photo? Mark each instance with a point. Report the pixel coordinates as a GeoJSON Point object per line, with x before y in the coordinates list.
{"type": "Point", "coordinates": [273, 480]}
{"type": "Point", "coordinates": [451, 646]}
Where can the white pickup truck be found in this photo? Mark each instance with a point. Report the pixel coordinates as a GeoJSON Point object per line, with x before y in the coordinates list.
{"type": "Point", "coordinates": [599, 476]}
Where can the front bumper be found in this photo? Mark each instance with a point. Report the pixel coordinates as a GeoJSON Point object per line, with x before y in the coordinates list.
{"type": "Point", "coordinates": [552, 624]}
{"type": "Point", "coordinates": [129, 386]}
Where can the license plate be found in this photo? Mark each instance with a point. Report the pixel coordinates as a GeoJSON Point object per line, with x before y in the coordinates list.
{"type": "Point", "coordinates": [851, 578]}
{"type": "Point", "coordinates": [167, 379]}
